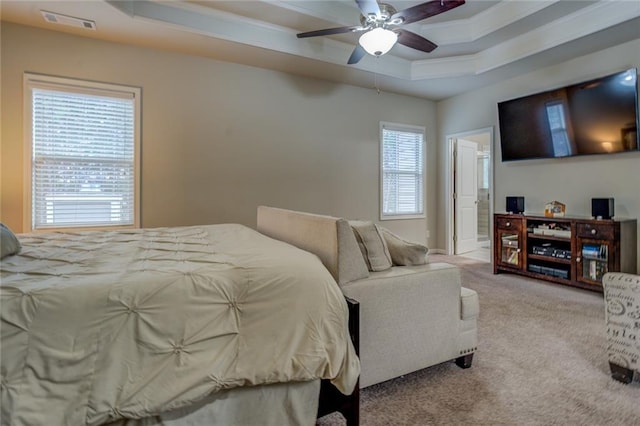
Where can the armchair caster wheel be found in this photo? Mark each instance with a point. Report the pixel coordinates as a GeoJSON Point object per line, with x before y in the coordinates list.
{"type": "Point", "coordinates": [621, 374]}
{"type": "Point", "coordinates": [464, 361]}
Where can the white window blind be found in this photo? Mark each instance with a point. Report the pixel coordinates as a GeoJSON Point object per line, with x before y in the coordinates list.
{"type": "Point", "coordinates": [402, 171]}
{"type": "Point", "coordinates": [83, 157]}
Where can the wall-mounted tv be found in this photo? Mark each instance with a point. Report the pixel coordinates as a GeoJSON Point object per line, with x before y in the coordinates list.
{"type": "Point", "coordinates": [599, 116]}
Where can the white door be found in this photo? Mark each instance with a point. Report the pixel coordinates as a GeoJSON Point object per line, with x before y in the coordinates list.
{"type": "Point", "coordinates": [466, 196]}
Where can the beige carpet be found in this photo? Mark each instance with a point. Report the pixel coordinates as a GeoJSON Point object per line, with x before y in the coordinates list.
{"type": "Point", "coordinates": [482, 254]}
{"type": "Point", "coordinates": [541, 360]}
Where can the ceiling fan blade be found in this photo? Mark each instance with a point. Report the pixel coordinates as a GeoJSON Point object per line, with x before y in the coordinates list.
{"type": "Point", "coordinates": [357, 54]}
{"type": "Point", "coordinates": [330, 31]}
{"type": "Point", "coordinates": [414, 41]}
{"type": "Point", "coordinates": [368, 7]}
{"type": "Point", "coordinates": [425, 10]}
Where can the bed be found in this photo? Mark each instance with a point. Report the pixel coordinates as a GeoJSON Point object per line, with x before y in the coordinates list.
{"type": "Point", "coordinates": [186, 325]}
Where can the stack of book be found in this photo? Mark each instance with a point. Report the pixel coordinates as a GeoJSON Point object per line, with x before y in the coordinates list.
{"type": "Point", "coordinates": [592, 251]}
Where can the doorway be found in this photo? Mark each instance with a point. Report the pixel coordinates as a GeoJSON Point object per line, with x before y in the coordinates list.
{"type": "Point", "coordinates": [469, 191]}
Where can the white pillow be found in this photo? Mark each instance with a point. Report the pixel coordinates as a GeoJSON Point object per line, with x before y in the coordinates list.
{"type": "Point", "coordinates": [372, 245]}
{"type": "Point", "coordinates": [404, 253]}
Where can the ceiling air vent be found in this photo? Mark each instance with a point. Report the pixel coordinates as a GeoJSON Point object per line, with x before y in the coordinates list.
{"type": "Point", "coordinates": [56, 18]}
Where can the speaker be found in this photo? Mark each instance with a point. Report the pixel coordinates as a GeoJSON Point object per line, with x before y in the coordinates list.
{"type": "Point", "coordinates": [515, 205]}
{"type": "Point", "coordinates": [602, 208]}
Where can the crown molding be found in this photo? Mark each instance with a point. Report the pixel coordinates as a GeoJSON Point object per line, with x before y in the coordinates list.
{"type": "Point", "coordinates": [484, 23]}
{"type": "Point", "coordinates": [586, 21]}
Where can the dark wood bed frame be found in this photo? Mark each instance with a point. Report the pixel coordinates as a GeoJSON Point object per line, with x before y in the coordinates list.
{"type": "Point", "coordinates": [331, 399]}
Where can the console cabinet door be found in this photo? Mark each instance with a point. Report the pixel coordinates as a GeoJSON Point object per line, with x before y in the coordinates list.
{"type": "Point", "coordinates": [509, 243]}
{"type": "Point", "coordinates": [596, 252]}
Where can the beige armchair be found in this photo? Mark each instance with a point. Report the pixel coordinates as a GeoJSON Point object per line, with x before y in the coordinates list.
{"type": "Point", "coordinates": [622, 314]}
{"type": "Point", "coordinates": [411, 317]}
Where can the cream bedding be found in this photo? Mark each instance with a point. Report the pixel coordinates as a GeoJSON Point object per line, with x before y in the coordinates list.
{"type": "Point", "coordinates": [98, 326]}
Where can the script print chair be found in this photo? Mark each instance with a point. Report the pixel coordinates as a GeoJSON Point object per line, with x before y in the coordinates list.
{"type": "Point", "coordinates": [622, 314]}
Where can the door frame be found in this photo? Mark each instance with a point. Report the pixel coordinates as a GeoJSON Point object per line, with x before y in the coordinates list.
{"type": "Point", "coordinates": [449, 184]}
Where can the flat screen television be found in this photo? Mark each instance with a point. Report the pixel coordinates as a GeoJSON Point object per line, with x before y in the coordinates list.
{"type": "Point", "coordinates": [599, 116]}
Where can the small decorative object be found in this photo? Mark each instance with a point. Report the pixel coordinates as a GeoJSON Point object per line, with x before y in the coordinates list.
{"type": "Point", "coordinates": [554, 209]}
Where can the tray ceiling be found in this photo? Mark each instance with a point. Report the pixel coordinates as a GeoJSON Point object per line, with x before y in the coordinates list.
{"type": "Point", "coordinates": [479, 43]}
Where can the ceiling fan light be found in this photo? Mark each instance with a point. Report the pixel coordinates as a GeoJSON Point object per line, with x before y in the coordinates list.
{"type": "Point", "coordinates": [378, 41]}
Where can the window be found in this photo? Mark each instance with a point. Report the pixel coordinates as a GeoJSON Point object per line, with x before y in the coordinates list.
{"type": "Point", "coordinates": [402, 171]}
{"type": "Point", "coordinates": [83, 143]}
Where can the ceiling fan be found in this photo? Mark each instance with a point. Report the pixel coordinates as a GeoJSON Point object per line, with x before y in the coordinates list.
{"type": "Point", "coordinates": [380, 23]}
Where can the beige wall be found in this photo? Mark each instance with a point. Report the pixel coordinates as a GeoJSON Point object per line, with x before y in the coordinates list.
{"type": "Point", "coordinates": [573, 181]}
{"type": "Point", "coordinates": [219, 139]}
